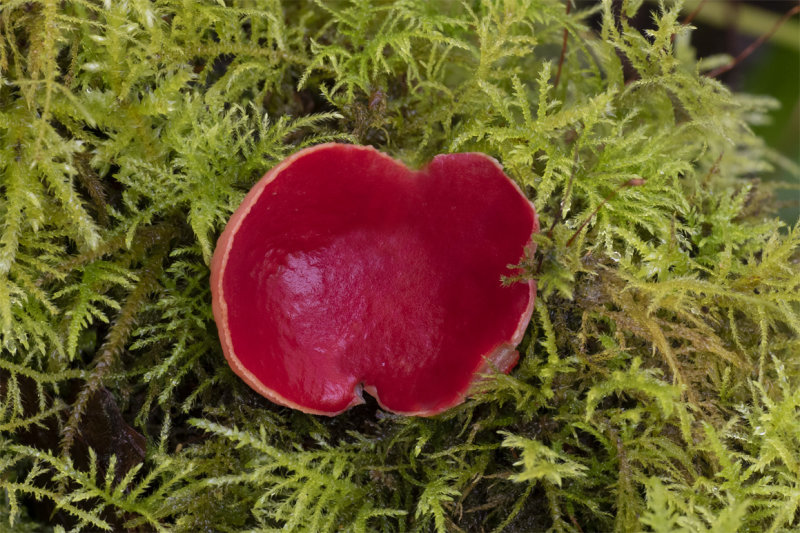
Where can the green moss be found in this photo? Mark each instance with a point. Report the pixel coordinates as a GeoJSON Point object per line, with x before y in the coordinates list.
{"type": "Point", "coordinates": [658, 388]}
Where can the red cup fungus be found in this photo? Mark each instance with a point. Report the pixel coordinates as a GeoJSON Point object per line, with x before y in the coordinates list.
{"type": "Point", "coordinates": [344, 270]}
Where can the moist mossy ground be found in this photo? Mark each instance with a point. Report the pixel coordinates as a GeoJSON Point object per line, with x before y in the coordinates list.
{"type": "Point", "coordinates": [658, 384]}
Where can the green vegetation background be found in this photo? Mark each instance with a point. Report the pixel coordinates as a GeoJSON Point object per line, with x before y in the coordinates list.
{"type": "Point", "coordinates": [658, 384]}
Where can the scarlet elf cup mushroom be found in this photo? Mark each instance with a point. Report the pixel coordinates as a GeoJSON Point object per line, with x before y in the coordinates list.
{"type": "Point", "coordinates": [343, 271]}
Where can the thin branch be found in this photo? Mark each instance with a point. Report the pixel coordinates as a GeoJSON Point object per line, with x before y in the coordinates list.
{"type": "Point", "coordinates": [713, 170]}
{"type": "Point", "coordinates": [752, 48]}
{"type": "Point", "coordinates": [690, 17]}
{"type": "Point", "coordinates": [563, 49]}
{"type": "Point", "coordinates": [94, 187]}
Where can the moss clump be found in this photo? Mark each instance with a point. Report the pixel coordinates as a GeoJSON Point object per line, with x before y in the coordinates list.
{"type": "Point", "coordinates": [658, 388]}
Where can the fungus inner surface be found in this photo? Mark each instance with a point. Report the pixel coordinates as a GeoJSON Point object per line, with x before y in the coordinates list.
{"type": "Point", "coordinates": [350, 269]}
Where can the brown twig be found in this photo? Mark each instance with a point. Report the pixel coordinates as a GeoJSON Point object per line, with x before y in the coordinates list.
{"type": "Point", "coordinates": [690, 17]}
{"type": "Point", "coordinates": [758, 42]}
{"type": "Point", "coordinates": [94, 186]}
{"type": "Point", "coordinates": [563, 49]}
{"type": "Point", "coordinates": [714, 169]}
{"type": "Point", "coordinates": [575, 523]}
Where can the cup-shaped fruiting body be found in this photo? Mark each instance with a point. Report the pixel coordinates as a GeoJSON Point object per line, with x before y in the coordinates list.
{"type": "Point", "coordinates": [344, 271]}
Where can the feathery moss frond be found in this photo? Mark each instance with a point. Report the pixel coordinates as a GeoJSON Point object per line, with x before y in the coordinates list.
{"type": "Point", "coordinates": [657, 383]}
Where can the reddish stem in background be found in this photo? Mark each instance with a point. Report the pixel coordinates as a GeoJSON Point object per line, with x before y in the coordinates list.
{"type": "Point", "coordinates": [750, 49]}
{"type": "Point", "coordinates": [694, 13]}
{"type": "Point", "coordinates": [690, 17]}
{"type": "Point", "coordinates": [575, 523]}
{"type": "Point", "coordinates": [563, 49]}
{"type": "Point", "coordinates": [714, 168]}
{"type": "Point", "coordinates": [635, 182]}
